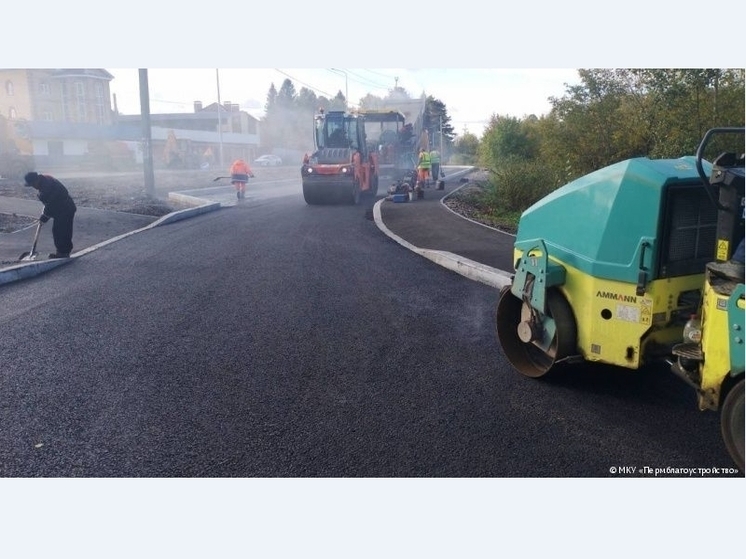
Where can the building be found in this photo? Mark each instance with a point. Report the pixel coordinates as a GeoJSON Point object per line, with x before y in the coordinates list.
{"type": "Point", "coordinates": [64, 118]}
{"type": "Point", "coordinates": [188, 140]}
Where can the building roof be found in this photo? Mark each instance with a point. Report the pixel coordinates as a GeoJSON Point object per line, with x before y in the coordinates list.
{"type": "Point", "coordinates": [98, 73]}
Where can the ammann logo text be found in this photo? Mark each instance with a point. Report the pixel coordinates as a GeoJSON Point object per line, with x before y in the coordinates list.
{"type": "Point", "coordinates": [617, 297]}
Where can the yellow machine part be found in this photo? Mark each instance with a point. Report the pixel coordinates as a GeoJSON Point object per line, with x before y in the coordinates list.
{"type": "Point", "coordinates": [715, 347]}
{"type": "Point", "coordinates": [615, 325]}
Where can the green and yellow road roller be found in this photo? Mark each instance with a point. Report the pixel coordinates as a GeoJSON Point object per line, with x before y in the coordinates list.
{"type": "Point", "coordinates": [636, 263]}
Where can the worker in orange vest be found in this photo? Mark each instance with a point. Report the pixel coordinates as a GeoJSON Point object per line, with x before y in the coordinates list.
{"type": "Point", "coordinates": [240, 173]}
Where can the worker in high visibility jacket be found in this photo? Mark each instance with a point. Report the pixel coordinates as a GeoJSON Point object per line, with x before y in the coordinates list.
{"type": "Point", "coordinates": [435, 164]}
{"type": "Point", "coordinates": [240, 173]}
{"type": "Point", "coordinates": [423, 168]}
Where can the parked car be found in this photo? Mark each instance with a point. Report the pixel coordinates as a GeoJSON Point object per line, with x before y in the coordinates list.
{"type": "Point", "coordinates": [267, 161]}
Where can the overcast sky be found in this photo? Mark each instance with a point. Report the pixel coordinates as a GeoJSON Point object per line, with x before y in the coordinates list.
{"type": "Point", "coordinates": [471, 96]}
{"type": "Point", "coordinates": [509, 63]}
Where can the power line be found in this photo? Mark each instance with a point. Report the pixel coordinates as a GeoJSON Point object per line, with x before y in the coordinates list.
{"type": "Point", "coordinates": [367, 81]}
{"type": "Point", "coordinates": [303, 83]}
{"type": "Point", "coordinates": [380, 74]}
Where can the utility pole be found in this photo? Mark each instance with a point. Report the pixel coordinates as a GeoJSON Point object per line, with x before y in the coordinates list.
{"type": "Point", "coordinates": [147, 138]}
{"type": "Point", "coordinates": [440, 125]}
{"type": "Point", "coordinates": [220, 123]}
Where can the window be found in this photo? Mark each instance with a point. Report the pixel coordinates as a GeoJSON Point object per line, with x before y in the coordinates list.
{"type": "Point", "coordinates": [100, 113]}
{"type": "Point", "coordinates": [9, 87]}
{"type": "Point", "coordinates": [689, 231]}
{"type": "Point", "coordinates": [47, 115]}
{"type": "Point", "coordinates": [12, 114]}
{"type": "Point", "coordinates": [80, 97]}
{"type": "Point", "coordinates": [81, 111]}
{"type": "Point", "coordinates": [44, 88]}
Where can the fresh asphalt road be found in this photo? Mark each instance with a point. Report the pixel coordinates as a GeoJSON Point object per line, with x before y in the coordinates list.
{"type": "Point", "coordinates": [276, 339]}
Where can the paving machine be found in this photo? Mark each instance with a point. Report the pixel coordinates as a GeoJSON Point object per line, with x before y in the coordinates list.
{"type": "Point", "coordinates": [343, 166]}
{"type": "Point", "coordinates": [629, 265]}
{"type": "Point", "coordinates": [393, 140]}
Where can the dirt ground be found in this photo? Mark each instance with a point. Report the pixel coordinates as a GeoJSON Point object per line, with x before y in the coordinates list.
{"type": "Point", "coordinates": [123, 192]}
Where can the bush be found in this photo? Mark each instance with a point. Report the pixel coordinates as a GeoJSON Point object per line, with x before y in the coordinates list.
{"type": "Point", "coordinates": [517, 184]}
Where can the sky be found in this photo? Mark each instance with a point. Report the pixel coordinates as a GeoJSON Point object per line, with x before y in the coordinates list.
{"type": "Point", "coordinates": [471, 96]}
{"type": "Point", "coordinates": [509, 63]}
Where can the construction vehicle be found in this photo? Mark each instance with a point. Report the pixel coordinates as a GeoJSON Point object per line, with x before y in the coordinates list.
{"type": "Point", "coordinates": [16, 152]}
{"type": "Point", "coordinates": [617, 266]}
{"type": "Point", "coordinates": [343, 167]}
{"type": "Point", "coordinates": [389, 134]}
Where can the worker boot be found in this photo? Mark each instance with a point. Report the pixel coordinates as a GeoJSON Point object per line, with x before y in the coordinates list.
{"type": "Point", "coordinates": [732, 270]}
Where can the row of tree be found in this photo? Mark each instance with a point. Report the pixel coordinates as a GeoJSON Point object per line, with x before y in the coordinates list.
{"type": "Point", "coordinates": [288, 118]}
{"type": "Point", "coordinates": [610, 116]}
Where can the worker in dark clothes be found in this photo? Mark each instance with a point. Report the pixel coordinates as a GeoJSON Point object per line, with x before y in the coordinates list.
{"type": "Point", "coordinates": [59, 206]}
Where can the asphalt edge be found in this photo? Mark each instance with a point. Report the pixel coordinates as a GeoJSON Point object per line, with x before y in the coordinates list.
{"type": "Point", "coordinates": [31, 269]}
{"type": "Point", "coordinates": [464, 266]}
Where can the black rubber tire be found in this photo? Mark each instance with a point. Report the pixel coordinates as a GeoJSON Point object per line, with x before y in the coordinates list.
{"type": "Point", "coordinates": [527, 358]}
{"type": "Point", "coordinates": [311, 195]}
{"type": "Point", "coordinates": [374, 186]}
{"type": "Point", "coordinates": [732, 423]}
{"type": "Point", "coordinates": [355, 194]}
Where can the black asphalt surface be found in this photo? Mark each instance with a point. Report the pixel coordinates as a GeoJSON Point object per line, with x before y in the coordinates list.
{"type": "Point", "coordinates": [424, 223]}
{"type": "Point", "coordinates": [302, 342]}
{"type": "Point", "coordinates": [276, 339]}
{"type": "Point", "coordinates": [428, 224]}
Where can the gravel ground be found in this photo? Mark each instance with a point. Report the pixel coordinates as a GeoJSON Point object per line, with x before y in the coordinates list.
{"type": "Point", "coordinates": [466, 201]}
{"type": "Point", "coordinates": [122, 192]}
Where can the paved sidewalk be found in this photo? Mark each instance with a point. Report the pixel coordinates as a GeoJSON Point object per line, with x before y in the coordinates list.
{"type": "Point", "coordinates": [92, 228]}
{"type": "Point", "coordinates": [428, 227]}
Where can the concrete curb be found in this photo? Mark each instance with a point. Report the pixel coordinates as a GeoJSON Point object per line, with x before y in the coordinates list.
{"type": "Point", "coordinates": [463, 266]}
{"type": "Point", "coordinates": [443, 202]}
{"type": "Point", "coordinates": [31, 269]}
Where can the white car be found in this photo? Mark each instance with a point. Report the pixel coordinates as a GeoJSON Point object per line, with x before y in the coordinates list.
{"type": "Point", "coordinates": [267, 161]}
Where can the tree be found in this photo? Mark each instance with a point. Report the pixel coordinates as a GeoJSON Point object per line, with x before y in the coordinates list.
{"type": "Point", "coordinates": [307, 99]}
{"type": "Point", "coordinates": [465, 149]}
{"type": "Point", "coordinates": [284, 121]}
{"type": "Point", "coordinates": [437, 121]}
{"type": "Point", "coordinates": [338, 103]}
{"type": "Point", "coordinates": [659, 113]}
{"type": "Point", "coordinates": [286, 97]}
{"type": "Point", "coordinates": [506, 138]}
{"type": "Point", "coordinates": [271, 98]}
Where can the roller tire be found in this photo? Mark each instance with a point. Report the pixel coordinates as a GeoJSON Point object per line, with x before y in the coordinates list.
{"type": "Point", "coordinates": [732, 423]}
{"type": "Point", "coordinates": [355, 194]}
{"type": "Point", "coordinates": [527, 358]}
{"type": "Point", "coordinates": [311, 196]}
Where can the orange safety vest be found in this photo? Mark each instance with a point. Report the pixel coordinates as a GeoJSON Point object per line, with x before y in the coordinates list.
{"type": "Point", "coordinates": [240, 167]}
